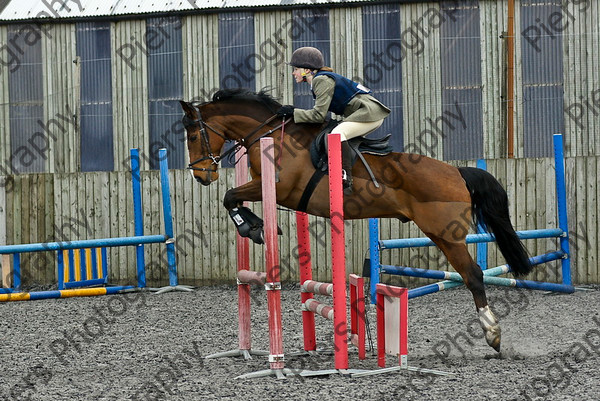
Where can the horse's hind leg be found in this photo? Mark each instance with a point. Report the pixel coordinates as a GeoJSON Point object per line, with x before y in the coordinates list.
{"type": "Point", "coordinates": [461, 260]}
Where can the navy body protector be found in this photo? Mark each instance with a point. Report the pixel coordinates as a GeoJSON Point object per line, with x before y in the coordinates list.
{"type": "Point", "coordinates": [345, 90]}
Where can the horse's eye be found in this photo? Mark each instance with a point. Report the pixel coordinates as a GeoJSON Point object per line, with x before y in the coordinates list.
{"type": "Point", "coordinates": [193, 138]}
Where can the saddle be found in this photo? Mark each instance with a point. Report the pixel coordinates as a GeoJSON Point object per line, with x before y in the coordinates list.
{"type": "Point", "coordinates": [319, 158]}
{"type": "Point", "coordinates": [359, 145]}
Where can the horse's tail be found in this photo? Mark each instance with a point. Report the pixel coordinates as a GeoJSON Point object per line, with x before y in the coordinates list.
{"type": "Point", "coordinates": [490, 209]}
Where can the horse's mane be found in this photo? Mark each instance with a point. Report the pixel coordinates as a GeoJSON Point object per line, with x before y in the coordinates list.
{"type": "Point", "coordinates": [244, 94]}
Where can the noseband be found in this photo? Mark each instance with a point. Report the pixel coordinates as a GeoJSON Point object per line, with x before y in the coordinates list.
{"type": "Point", "coordinates": [187, 122]}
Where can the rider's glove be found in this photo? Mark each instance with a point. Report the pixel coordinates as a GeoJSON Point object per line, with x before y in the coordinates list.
{"type": "Point", "coordinates": [287, 110]}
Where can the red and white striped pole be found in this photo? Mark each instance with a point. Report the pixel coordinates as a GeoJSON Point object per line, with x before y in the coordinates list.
{"type": "Point", "coordinates": [243, 262]}
{"type": "Point", "coordinates": [273, 284]}
{"type": "Point", "coordinates": [304, 259]}
{"type": "Point", "coordinates": [338, 251]}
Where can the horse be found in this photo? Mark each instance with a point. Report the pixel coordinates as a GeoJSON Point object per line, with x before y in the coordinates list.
{"type": "Point", "coordinates": [442, 200]}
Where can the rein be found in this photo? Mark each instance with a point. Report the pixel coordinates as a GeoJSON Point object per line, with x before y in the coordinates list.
{"type": "Point", "coordinates": [241, 143]}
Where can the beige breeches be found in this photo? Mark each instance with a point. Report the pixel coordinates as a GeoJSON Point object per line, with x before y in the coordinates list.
{"type": "Point", "coordinates": [351, 129]}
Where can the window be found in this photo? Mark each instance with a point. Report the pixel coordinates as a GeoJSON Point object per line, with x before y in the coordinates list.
{"type": "Point", "coordinates": [382, 69]}
{"type": "Point", "coordinates": [542, 69]}
{"type": "Point", "coordinates": [461, 121]}
{"type": "Point", "coordinates": [30, 136]}
{"type": "Point", "coordinates": [96, 121]}
{"type": "Point", "coordinates": [165, 89]}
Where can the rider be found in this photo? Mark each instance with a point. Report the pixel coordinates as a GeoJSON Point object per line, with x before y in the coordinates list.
{"type": "Point", "coordinates": [361, 112]}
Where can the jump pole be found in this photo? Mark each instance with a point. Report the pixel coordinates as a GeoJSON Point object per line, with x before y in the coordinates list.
{"type": "Point", "coordinates": [272, 277]}
{"type": "Point", "coordinates": [273, 284]}
{"type": "Point", "coordinates": [336, 289]}
{"type": "Point", "coordinates": [244, 279]}
{"type": "Point", "coordinates": [304, 260]}
{"type": "Point", "coordinates": [338, 251]}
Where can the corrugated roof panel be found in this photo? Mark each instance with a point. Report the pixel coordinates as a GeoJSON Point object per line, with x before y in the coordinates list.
{"type": "Point", "coordinates": [33, 9]}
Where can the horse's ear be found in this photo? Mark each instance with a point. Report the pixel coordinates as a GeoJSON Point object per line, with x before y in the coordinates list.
{"type": "Point", "coordinates": [188, 109]}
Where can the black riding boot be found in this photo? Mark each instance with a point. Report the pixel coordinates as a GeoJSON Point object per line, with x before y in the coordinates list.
{"type": "Point", "coordinates": [347, 167]}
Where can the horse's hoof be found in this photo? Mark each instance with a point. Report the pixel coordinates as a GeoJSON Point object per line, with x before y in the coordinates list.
{"type": "Point", "coordinates": [490, 327]}
{"type": "Point", "coordinates": [257, 236]}
{"type": "Point", "coordinates": [492, 337]}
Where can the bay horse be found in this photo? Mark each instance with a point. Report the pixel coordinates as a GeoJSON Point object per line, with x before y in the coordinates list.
{"type": "Point", "coordinates": [442, 200]}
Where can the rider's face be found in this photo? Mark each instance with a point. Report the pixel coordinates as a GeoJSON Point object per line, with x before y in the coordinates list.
{"type": "Point", "coordinates": [300, 73]}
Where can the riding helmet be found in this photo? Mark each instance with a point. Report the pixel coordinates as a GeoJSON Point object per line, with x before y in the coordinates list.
{"type": "Point", "coordinates": [307, 57]}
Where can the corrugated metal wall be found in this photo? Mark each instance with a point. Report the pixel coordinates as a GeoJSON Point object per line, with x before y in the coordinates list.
{"type": "Point", "coordinates": [438, 47]}
{"type": "Point", "coordinates": [5, 142]}
{"type": "Point", "coordinates": [200, 57]}
{"type": "Point", "coordinates": [270, 55]}
{"type": "Point", "coordinates": [130, 80]}
{"type": "Point", "coordinates": [61, 104]}
{"type": "Point", "coordinates": [346, 38]}
{"type": "Point", "coordinates": [421, 77]}
{"type": "Point", "coordinates": [581, 46]}
{"type": "Point", "coordinates": [238, 62]}
{"type": "Point", "coordinates": [493, 76]}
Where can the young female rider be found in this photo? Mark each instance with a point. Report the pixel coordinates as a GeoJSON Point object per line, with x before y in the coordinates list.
{"type": "Point", "coordinates": [361, 112]}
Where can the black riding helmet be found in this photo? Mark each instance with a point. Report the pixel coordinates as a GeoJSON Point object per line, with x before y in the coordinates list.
{"type": "Point", "coordinates": [307, 57]}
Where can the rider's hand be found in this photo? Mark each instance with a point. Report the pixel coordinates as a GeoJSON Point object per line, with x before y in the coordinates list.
{"type": "Point", "coordinates": [287, 110]}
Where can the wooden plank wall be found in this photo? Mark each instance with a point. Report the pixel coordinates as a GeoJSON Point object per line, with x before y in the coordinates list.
{"type": "Point", "coordinates": [46, 207]}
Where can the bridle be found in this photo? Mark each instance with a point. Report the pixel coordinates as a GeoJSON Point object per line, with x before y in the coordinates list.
{"type": "Point", "coordinates": [244, 142]}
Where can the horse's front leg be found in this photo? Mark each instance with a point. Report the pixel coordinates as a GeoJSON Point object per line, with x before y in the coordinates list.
{"type": "Point", "coordinates": [250, 191]}
{"type": "Point", "coordinates": [247, 223]}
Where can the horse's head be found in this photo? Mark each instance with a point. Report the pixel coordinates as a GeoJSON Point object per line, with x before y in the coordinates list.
{"type": "Point", "coordinates": [204, 144]}
{"type": "Point", "coordinates": [232, 114]}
